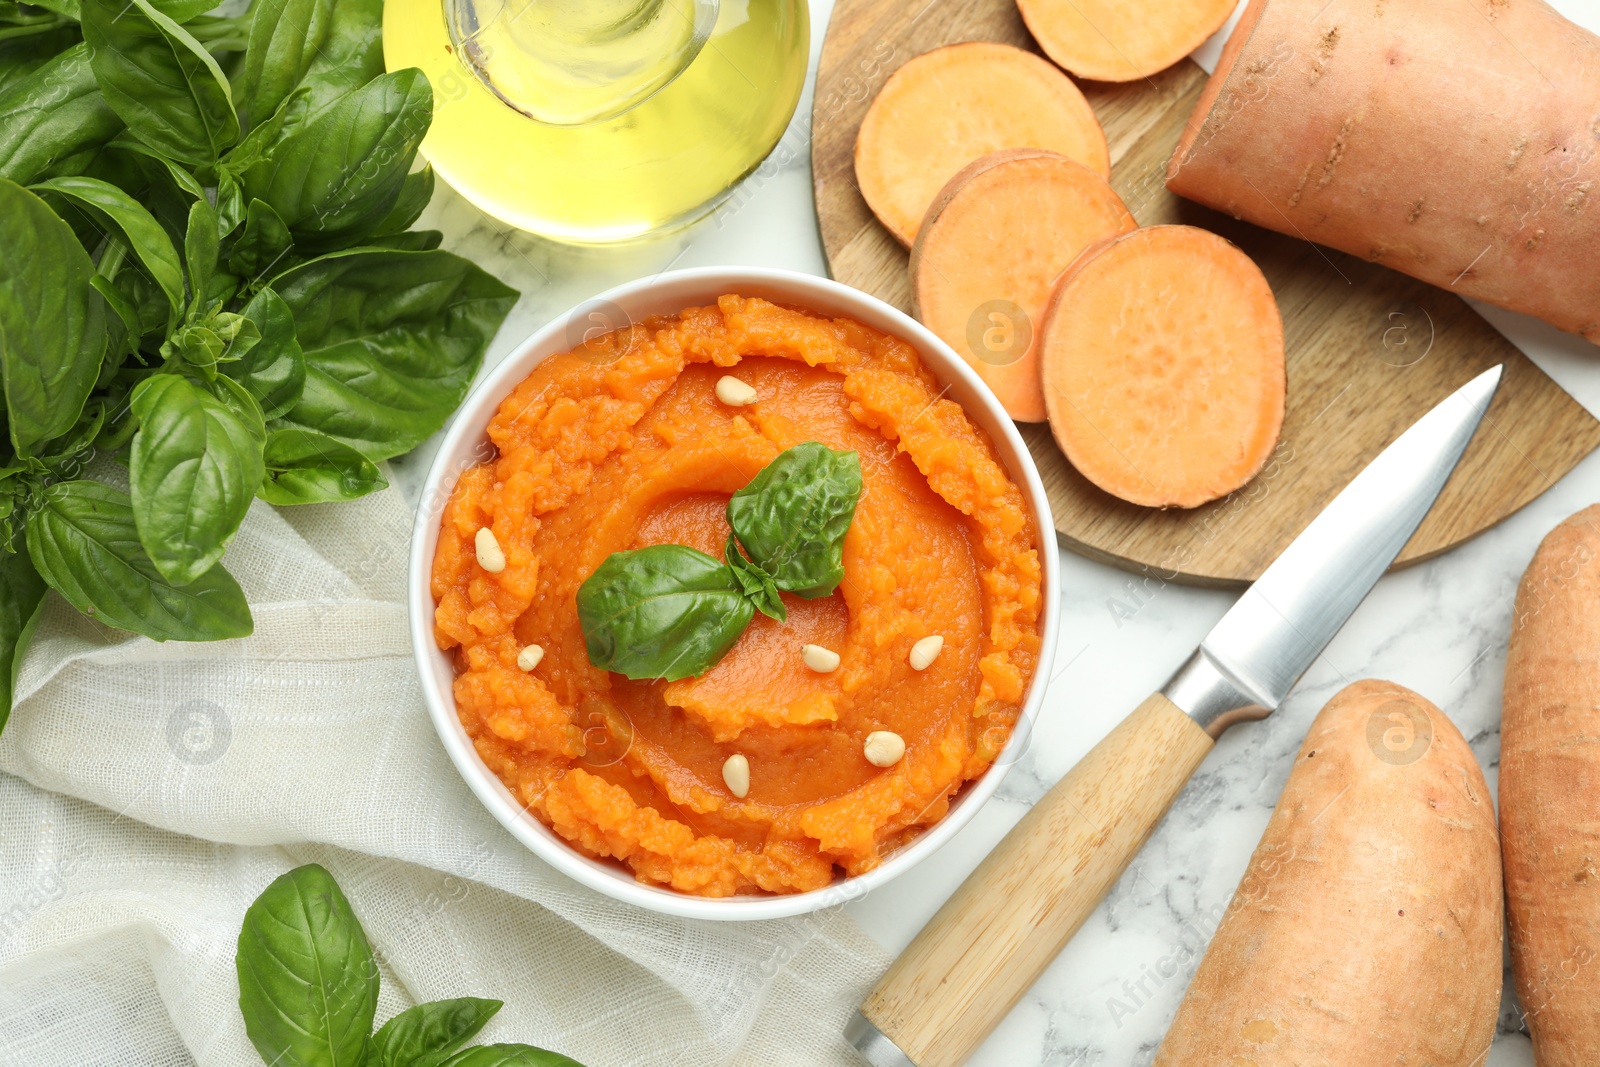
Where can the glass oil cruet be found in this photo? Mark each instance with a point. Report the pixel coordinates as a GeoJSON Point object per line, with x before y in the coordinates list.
{"type": "Point", "coordinates": [594, 121]}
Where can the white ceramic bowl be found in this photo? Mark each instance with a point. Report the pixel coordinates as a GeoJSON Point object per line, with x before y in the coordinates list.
{"type": "Point", "coordinates": [466, 445]}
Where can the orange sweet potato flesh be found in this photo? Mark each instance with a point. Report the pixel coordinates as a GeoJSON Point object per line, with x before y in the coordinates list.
{"type": "Point", "coordinates": [1550, 794]}
{"type": "Point", "coordinates": [1456, 142]}
{"type": "Point", "coordinates": [1367, 928]}
{"type": "Point", "coordinates": [945, 108]}
{"type": "Point", "coordinates": [989, 253]}
{"type": "Point", "coordinates": [1163, 370]}
{"type": "Point", "coordinates": [1122, 40]}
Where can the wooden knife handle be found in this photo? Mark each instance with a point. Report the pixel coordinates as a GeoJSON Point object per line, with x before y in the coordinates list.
{"type": "Point", "coordinates": [1015, 913]}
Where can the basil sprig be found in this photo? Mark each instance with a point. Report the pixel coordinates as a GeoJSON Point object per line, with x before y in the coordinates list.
{"type": "Point", "coordinates": [308, 991]}
{"type": "Point", "coordinates": [208, 275]}
{"type": "Point", "coordinates": [670, 612]}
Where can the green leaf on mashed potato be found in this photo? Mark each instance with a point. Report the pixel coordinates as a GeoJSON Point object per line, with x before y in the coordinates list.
{"type": "Point", "coordinates": [792, 517]}
{"type": "Point", "coordinates": [669, 611]}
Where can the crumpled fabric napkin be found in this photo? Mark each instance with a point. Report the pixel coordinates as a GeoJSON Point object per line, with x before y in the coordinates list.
{"type": "Point", "coordinates": [149, 792]}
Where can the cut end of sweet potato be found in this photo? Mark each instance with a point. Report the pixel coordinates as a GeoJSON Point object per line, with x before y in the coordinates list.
{"type": "Point", "coordinates": [989, 252]}
{"type": "Point", "coordinates": [1122, 40]}
{"type": "Point", "coordinates": [1163, 368]}
{"type": "Point", "coordinates": [948, 107]}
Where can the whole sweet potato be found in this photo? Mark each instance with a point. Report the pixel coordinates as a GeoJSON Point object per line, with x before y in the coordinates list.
{"type": "Point", "coordinates": [1367, 929]}
{"type": "Point", "coordinates": [1455, 141]}
{"type": "Point", "coordinates": [1550, 794]}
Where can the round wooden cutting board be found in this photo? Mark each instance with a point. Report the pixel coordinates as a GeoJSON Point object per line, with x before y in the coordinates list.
{"type": "Point", "coordinates": [1369, 350]}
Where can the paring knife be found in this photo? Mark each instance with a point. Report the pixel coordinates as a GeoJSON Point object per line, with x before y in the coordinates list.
{"type": "Point", "coordinates": [1015, 913]}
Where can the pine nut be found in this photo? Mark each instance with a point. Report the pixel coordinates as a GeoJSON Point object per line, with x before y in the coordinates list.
{"type": "Point", "coordinates": [490, 556]}
{"type": "Point", "coordinates": [822, 660]}
{"type": "Point", "coordinates": [884, 748]}
{"type": "Point", "coordinates": [736, 773]}
{"type": "Point", "coordinates": [924, 652]}
{"type": "Point", "coordinates": [530, 656]}
{"type": "Point", "coordinates": [735, 393]}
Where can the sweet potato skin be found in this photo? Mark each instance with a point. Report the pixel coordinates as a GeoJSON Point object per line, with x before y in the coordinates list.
{"type": "Point", "coordinates": [1456, 142]}
{"type": "Point", "coordinates": [1550, 794]}
{"type": "Point", "coordinates": [1367, 929]}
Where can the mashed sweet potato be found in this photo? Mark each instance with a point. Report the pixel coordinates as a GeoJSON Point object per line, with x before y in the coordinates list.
{"type": "Point", "coordinates": [623, 444]}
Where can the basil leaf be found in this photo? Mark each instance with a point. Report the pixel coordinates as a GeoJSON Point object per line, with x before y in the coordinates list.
{"type": "Point", "coordinates": [21, 598]}
{"type": "Point", "coordinates": [221, 34]}
{"type": "Point", "coordinates": [230, 203]}
{"type": "Point", "coordinates": [341, 172]}
{"type": "Point", "coordinates": [195, 466]}
{"type": "Point", "coordinates": [391, 340]}
{"type": "Point", "coordinates": [425, 1035]}
{"type": "Point", "coordinates": [200, 254]}
{"type": "Point", "coordinates": [67, 8]}
{"type": "Point", "coordinates": [127, 315]}
{"type": "Point", "coordinates": [160, 80]}
{"type": "Point", "coordinates": [21, 56]}
{"type": "Point", "coordinates": [305, 467]}
{"type": "Point", "coordinates": [52, 323]}
{"type": "Point", "coordinates": [409, 241]}
{"type": "Point", "coordinates": [141, 230]}
{"type": "Point", "coordinates": [183, 10]}
{"type": "Point", "coordinates": [170, 190]}
{"type": "Point", "coordinates": [308, 986]}
{"type": "Point", "coordinates": [52, 115]}
{"type": "Point", "coordinates": [85, 545]}
{"type": "Point", "coordinates": [69, 448]}
{"type": "Point", "coordinates": [756, 583]}
{"type": "Point", "coordinates": [508, 1056]}
{"type": "Point", "coordinates": [255, 145]}
{"type": "Point", "coordinates": [141, 295]}
{"type": "Point", "coordinates": [273, 370]}
{"type": "Point", "coordinates": [182, 180]}
{"type": "Point", "coordinates": [350, 56]}
{"type": "Point", "coordinates": [415, 193]}
{"type": "Point", "coordinates": [264, 244]}
{"type": "Point", "coordinates": [667, 611]}
{"type": "Point", "coordinates": [792, 517]}
{"type": "Point", "coordinates": [285, 37]}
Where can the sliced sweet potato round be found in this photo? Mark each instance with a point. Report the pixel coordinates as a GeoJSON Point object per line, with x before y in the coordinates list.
{"type": "Point", "coordinates": [945, 108]}
{"type": "Point", "coordinates": [989, 252]}
{"type": "Point", "coordinates": [1163, 369]}
{"type": "Point", "coordinates": [1122, 40]}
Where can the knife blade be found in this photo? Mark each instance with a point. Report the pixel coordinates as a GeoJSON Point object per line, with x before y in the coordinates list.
{"type": "Point", "coordinates": [1017, 910]}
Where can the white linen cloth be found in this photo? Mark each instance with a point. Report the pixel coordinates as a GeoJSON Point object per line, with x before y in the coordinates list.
{"type": "Point", "coordinates": [149, 792]}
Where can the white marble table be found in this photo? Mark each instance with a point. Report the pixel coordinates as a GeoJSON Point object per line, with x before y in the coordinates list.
{"type": "Point", "coordinates": [1439, 628]}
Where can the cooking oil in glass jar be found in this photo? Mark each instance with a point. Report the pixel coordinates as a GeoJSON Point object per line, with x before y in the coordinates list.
{"type": "Point", "coordinates": [601, 120]}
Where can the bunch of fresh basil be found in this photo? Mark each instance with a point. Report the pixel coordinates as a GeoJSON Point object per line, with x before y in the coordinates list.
{"type": "Point", "coordinates": [671, 611]}
{"type": "Point", "coordinates": [207, 273]}
{"type": "Point", "coordinates": [308, 990]}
